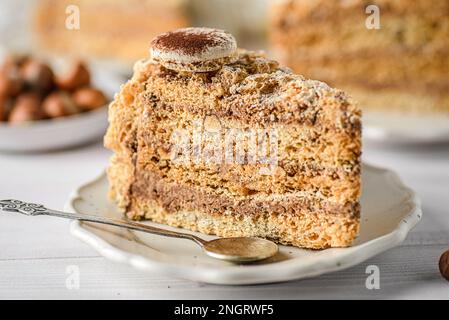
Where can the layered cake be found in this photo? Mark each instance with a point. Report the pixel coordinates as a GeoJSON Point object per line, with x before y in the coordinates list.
{"type": "Point", "coordinates": [391, 55]}
{"type": "Point", "coordinates": [224, 141]}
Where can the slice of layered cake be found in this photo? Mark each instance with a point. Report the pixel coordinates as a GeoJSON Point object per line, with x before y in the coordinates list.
{"type": "Point", "coordinates": [224, 141]}
{"type": "Point", "coordinates": [390, 55]}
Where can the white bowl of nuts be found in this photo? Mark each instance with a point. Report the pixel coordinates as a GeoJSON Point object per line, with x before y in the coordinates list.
{"type": "Point", "coordinates": [43, 110]}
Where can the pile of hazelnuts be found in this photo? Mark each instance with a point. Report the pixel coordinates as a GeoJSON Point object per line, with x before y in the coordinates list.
{"type": "Point", "coordinates": [30, 91]}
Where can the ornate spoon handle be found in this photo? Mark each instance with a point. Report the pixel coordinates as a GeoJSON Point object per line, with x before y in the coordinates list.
{"type": "Point", "coordinates": [33, 209]}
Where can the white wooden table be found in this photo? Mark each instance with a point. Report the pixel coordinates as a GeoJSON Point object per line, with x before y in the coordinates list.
{"type": "Point", "coordinates": [35, 252]}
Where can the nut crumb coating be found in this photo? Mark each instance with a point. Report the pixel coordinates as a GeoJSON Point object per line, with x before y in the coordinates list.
{"type": "Point", "coordinates": [311, 199]}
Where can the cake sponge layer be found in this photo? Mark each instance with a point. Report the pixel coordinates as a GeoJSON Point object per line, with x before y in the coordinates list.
{"type": "Point", "coordinates": [288, 219]}
{"type": "Point", "coordinates": [315, 231]}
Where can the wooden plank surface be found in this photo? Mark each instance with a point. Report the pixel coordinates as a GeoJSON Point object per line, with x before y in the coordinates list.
{"type": "Point", "coordinates": [409, 271]}
{"type": "Point", "coordinates": [35, 252]}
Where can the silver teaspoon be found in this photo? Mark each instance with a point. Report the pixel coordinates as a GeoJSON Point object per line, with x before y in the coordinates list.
{"type": "Point", "coordinates": [238, 249]}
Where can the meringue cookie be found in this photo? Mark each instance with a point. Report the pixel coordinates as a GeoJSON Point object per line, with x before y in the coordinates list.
{"type": "Point", "coordinates": [194, 49]}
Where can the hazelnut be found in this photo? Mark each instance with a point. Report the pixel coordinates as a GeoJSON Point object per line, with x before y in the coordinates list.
{"type": "Point", "coordinates": [26, 108]}
{"type": "Point", "coordinates": [2, 108]}
{"type": "Point", "coordinates": [8, 64]}
{"type": "Point", "coordinates": [77, 77]}
{"type": "Point", "coordinates": [14, 61]}
{"type": "Point", "coordinates": [37, 75]}
{"type": "Point", "coordinates": [444, 265]}
{"type": "Point", "coordinates": [10, 83]}
{"type": "Point", "coordinates": [89, 98]}
{"type": "Point", "coordinates": [59, 104]}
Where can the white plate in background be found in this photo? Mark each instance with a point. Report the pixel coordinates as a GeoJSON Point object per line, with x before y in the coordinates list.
{"type": "Point", "coordinates": [389, 211]}
{"type": "Point", "coordinates": [51, 134]}
{"type": "Point", "coordinates": [64, 132]}
{"type": "Point", "coordinates": [398, 128]}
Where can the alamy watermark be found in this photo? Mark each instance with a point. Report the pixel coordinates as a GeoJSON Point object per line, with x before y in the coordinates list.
{"type": "Point", "coordinates": [210, 143]}
{"type": "Point", "coordinates": [72, 282]}
{"type": "Point", "coordinates": [373, 20]}
{"type": "Point", "coordinates": [372, 282]}
{"type": "Point", "coordinates": [72, 20]}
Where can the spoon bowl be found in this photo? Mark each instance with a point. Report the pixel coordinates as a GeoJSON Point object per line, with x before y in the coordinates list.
{"type": "Point", "coordinates": [240, 249]}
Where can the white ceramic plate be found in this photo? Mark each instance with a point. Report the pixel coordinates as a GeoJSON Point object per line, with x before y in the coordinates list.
{"type": "Point", "coordinates": [54, 133]}
{"type": "Point", "coordinates": [63, 132]}
{"type": "Point", "coordinates": [396, 128]}
{"type": "Point", "coordinates": [389, 211]}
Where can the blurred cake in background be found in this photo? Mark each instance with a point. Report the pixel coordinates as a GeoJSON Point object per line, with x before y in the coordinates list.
{"type": "Point", "coordinates": [246, 20]}
{"type": "Point", "coordinates": [403, 66]}
{"type": "Point", "coordinates": [118, 31]}
{"type": "Point", "coordinates": [113, 30]}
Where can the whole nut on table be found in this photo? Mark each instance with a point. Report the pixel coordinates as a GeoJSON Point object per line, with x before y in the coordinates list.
{"type": "Point", "coordinates": [444, 265]}
{"type": "Point", "coordinates": [77, 77]}
{"type": "Point", "coordinates": [89, 98]}
{"type": "Point", "coordinates": [26, 108]}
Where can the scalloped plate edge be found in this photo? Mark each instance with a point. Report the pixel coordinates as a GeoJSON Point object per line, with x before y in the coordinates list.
{"type": "Point", "coordinates": [278, 272]}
